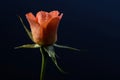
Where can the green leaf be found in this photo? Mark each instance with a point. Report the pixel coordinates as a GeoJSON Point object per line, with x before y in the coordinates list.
{"type": "Point", "coordinates": [28, 32]}
{"type": "Point", "coordinates": [51, 53]}
{"type": "Point", "coordinates": [67, 47]}
{"type": "Point", "coordinates": [28, 46]}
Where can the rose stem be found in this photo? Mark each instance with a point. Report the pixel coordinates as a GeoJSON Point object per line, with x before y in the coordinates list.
{"type": "Point", "coordinates": [43, 64]}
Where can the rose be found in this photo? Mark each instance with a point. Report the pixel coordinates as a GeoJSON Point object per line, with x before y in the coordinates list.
{"type": "Point", "coordinates": [44, 34]}
{"type": "Point", "coordinates": [44, 26]}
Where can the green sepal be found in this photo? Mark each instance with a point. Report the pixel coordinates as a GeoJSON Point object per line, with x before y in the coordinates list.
{"type": "Point", "coordinates": [67, 47]}
{"type": "Point", "coordinates": [28, 32]}
{"type": "Point", "coordinates": [28, 46]}
{"type": "Point", "coordinates": [52, 55]}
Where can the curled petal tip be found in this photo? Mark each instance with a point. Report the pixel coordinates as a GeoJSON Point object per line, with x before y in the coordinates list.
{"type": "Point", "coordinates": [30, 16]}
{"type": "Point", "coordinates": [61, 15]}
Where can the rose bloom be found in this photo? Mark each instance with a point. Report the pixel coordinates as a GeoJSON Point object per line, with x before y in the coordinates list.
{"type": "Point", "coordinates": [44, 26]}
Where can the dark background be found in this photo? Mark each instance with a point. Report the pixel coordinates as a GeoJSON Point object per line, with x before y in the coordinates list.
{"type": "Point", "coordinates": [91, 25]}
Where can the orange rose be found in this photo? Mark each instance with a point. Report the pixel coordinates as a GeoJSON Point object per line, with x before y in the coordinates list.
{"type": "Point", "coordinates": [44, 26]}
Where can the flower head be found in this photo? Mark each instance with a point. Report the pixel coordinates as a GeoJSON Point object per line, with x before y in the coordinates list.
{"type": "Point", "coordinates": [44, 26]}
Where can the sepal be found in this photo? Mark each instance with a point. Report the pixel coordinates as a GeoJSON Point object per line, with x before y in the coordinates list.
{"type": "Point", "coordinates": [67, 47]}
{"type": "Point", "coordinates": [28, 32]}
{"type": "Point", "coordinates": [28, 46]}
{"type": "Point", "coordinates": [52, 55]}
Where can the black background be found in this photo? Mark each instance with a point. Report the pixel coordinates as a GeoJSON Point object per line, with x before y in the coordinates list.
{"type": "Point", "coordinates": [91, 25]}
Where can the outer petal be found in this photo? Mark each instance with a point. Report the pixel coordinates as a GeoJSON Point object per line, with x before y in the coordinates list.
{"type": "Point", "coordinates": [35, 27]}
{"type": "Point", "coordinates": [50, 31]}
{"type": "Point", "coordinates": [60, 17]}
{"type": "Point", "coordinates": [31, 19]}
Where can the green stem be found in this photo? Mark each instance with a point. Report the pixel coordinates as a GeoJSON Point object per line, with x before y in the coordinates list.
{"type": "Point", "coordinates": [43, 64]}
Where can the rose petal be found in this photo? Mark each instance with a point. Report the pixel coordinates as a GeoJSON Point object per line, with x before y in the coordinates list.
{"type": "Point", "coordinates": [32, 20]}
{"type": "Point", "coordinates": [54, 13]}
{"type": "Point", "coordinates": [60, 17]}
{"type": "Point", "coordinates": [50, 34]}
{"type": "Point", "coordinates": [42, 17]}
{"type": "Point", "coordinates": [34, 25]}
{"type": "Point", "coordinates": [53, 23]}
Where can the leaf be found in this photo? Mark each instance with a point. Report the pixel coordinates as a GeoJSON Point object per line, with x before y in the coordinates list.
{"type": "Point", "coordinates": [67, 47]}
{"type": "Point", "coordinates": [28, 46]}
{"type": "Point", "coordinates": [51, 53]}
{"type": "Point", "coordinates": [28, 32]}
